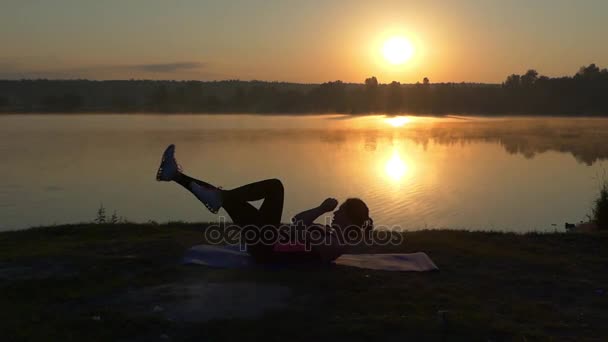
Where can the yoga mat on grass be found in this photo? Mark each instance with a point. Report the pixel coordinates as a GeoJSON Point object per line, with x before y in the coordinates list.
{"type": "Point", "coordinates": [232, 257]}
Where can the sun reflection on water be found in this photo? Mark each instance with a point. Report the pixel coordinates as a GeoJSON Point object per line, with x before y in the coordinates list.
{"type": "Point", "coordinates": [397, 121]}
{"type": "Point", "coordinates": [395, 168]}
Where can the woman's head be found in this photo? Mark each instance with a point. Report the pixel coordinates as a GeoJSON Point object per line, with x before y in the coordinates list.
{"type": "Point", "coordinates": [353, 212]}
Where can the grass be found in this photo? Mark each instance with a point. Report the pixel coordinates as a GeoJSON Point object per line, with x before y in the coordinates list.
{"type": "Point", "coordinates": [69, 283]}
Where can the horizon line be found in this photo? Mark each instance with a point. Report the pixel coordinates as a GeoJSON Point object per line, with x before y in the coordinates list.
{"type": "Point", "coordinates": [225, 80]}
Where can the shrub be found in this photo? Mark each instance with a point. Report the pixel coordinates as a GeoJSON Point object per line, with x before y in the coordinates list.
{"type": "Point", "coordinates": [102, 218]}
{"type": "Point", "coordinates": [101, 215]}
{"type": "Point", "coordinates": [600, 209]}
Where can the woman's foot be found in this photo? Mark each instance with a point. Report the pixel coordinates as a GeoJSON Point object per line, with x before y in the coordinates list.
{"type": "Point", "coordinates": [168, 168]}
{"type": "Point", "coordinates": [210, 197]}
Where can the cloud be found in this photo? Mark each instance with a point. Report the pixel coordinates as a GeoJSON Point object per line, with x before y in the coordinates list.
{"type": "Point", "coordinates": [17, 69]}
{"type": "Point", "coordinates": [169, 67]}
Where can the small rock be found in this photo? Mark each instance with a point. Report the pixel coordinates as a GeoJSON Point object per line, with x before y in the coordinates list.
{"type": "Point", "coordinates": [158, 308]}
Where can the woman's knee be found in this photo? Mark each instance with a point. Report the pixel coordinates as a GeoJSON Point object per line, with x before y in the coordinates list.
{"type": "Point", "coordinates": [276, 185]}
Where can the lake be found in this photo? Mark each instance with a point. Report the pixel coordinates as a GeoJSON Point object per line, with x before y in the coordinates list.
{"type": "Point", "coordinates": [507, 174]}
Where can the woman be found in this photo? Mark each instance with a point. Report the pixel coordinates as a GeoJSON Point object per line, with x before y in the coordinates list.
{"type": "Point", "coordinates": [353, 213]}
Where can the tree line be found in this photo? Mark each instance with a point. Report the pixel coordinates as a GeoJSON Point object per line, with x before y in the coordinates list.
{"type": "Point", "coordinates": [584, 93]}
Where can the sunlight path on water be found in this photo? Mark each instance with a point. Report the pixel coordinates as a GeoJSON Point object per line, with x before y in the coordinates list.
{"type": "Point", "coordinates": [415, 172]}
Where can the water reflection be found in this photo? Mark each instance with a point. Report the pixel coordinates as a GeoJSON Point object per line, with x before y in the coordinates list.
{"type": "Point", "coordinates": [398, 121]}
{"type": "Point", "coordinates": [395, 168]}
{"type": "Point", "coordinates": [583, 138]}
{"type": "Point", "coordinates": [414, 172]}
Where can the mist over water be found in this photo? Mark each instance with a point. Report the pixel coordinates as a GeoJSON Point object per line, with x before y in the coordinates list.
{"type": "Point", "coordinates": [512, 174]}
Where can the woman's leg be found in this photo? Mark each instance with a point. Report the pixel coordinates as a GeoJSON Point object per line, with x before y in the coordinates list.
{"type": "Point", "coordinates": [241, 212]}
{"type": "Point", "coordinates": [270, 190]}
{"type": "Point", "coordinates": [236, 201]}
{"type": "Point", "coordinates": [185, 180]}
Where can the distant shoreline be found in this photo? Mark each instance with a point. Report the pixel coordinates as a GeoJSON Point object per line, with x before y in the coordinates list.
{"type": "Point", "coordinates": [580, 95]}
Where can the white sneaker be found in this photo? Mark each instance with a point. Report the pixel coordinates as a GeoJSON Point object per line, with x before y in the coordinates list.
{"type": "Point", "coordinates": [211, 198]}
{"type": "Point", "coordinates": [168, 166]}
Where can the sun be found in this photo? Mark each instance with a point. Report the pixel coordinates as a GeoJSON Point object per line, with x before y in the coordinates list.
{"type": "Point", "coordinates": [398, 50]}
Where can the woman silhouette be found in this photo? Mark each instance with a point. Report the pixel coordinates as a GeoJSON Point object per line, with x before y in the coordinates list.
{"type": "Point", "coordinates": [353, 213]}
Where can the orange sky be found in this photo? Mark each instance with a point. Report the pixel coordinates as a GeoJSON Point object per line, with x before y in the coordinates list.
{"type": "Point", "coordinates": [299, 41]}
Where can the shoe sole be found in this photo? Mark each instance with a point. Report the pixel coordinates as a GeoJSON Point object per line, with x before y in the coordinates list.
{"type": "Point", "coordinates": [162, 161]}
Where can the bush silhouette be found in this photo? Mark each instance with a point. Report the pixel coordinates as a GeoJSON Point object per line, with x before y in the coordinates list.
{"type": "Point", "coordinates": [600, 210]}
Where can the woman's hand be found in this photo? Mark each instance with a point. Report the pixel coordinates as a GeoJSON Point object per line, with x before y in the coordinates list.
{"type": "Point", "coordinates": [329, 204]}
{"type": "Point", "coordinates": [309, 216]}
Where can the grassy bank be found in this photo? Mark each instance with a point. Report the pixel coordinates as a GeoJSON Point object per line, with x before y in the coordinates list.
{"type": "Point", "coordinates": [124, 282]}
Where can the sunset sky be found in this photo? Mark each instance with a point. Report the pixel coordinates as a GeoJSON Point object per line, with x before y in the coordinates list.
{"type": "Point", "coordinates": [298, 41]}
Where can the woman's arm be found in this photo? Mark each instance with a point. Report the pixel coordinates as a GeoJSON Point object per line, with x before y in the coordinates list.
{"type": "Point", "coordinates": [309, 216]}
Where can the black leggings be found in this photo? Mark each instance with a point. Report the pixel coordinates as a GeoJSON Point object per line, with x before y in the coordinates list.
{"type": "Point", "coordinates": [236, 203]}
